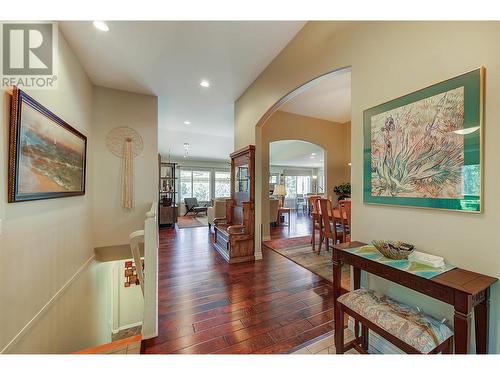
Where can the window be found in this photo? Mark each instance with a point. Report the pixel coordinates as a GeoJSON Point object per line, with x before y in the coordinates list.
{"type": "Point", "coordinates": [222, 184]}
{"type": "Point", "coordinates": [303, 184]}
{"type": "Point", "coordinates": [195, 184]}
{"type": "Point", "coordinates": [186, 185]}
{"type": "Point", "coordinates": [297, 185]}
{"type": "Point", "coordinates": [291, 186]}
{"type": "Point", "coordinates": [273, 179]}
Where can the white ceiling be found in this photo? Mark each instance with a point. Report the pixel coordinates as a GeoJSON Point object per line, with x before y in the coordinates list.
{"type": "Point", "coordinates": [169, 59]}
{"type": "Point", "coordinates": [296, 154]}
{"type": "Point", "coordinates": [330, 99]}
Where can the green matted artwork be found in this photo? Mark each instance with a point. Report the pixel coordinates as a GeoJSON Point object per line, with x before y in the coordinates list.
{"type": "Point", "coordinates": [424, 149]}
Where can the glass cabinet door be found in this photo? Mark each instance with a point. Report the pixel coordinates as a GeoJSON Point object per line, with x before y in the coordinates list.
{"type": "Point", "coordinates": [242, 181]}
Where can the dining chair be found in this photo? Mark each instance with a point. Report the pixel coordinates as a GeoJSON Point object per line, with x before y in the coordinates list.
{"type": "Point", "coordinates": [330, 229]}
{"type": "Point", "coordinates": [316, 222]}
{"type": "Point", "coordinates": [345, 219]}
{"type": "Point", "coordinates": [300, 202]}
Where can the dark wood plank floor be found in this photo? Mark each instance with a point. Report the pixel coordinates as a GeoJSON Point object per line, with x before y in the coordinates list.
{"type": "Point", "coordinates": [209, 306]}
{"type": "Point", "coordinates": [300, 225]}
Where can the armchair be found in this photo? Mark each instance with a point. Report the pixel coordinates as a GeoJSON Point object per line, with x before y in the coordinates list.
{"type": "Point", "coordinates": [192, 206]}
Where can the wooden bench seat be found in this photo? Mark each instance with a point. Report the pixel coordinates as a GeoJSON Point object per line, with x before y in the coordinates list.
{"type": "Point", "coordinates": [234, 240]}
{"type": "Point", "coordinates": [404, 326]}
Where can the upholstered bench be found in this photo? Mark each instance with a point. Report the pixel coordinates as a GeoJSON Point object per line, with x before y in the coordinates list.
{"type": "Point", "coordinates": [404, 326]}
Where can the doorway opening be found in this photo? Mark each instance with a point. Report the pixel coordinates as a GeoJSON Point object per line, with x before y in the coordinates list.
{"type": "Point", "coordinates": [296, 172]}
{"type": "Point", "coordinates": [305, 141]}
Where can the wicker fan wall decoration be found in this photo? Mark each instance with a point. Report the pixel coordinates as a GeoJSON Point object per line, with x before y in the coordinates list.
{"type": "Point", "coordinates": [125, 143]}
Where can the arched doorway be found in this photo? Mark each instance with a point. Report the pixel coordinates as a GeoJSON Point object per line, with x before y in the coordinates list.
{"type": "Point", "coordinates": [299, 116]}
{"type": "Point", "coordinates": [297, 169]}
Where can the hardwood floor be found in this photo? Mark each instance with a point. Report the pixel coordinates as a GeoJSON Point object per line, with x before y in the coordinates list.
{"type": "Point", "coordinates": [300, 225]}
{"type": "Point", "coordinates": [209, 306]}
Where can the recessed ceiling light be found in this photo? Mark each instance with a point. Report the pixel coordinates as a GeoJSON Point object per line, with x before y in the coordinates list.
{"type": "Point", "coordinates": [204, 83]}
{"type": "Point", "coordinates": [313, 154]}
{"type": "Point", "coordinates": [100, 25]}
{"type": "Point", "coordinates": [312, 157]}
{"type": "Point", "coordinates": [187, 122]}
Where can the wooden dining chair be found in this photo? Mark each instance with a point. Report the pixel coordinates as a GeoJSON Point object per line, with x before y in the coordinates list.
{"type": "Point", "coordinates": [345, 219]}
{"type": "Point", "coordinates": [315, 220]}
{"type": "Point", "coordinates": [330, 229]}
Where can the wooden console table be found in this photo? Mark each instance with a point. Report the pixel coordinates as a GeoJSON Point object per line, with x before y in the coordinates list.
{"type": "Point", "coordinates": [464, 290]}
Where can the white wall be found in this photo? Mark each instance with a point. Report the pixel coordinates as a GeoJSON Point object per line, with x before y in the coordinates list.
{"type": "Point", "coordinates": [128, 303]}
{"type": "Point", "coordinates": [390, 59]}
{"type": "Point", "coordinates": [111, 224]}
{"type": "Point", "coordinates": [43, 243]}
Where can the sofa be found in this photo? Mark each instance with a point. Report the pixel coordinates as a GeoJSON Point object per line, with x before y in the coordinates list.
{"type": "Point", "coordinates": [217, 210]}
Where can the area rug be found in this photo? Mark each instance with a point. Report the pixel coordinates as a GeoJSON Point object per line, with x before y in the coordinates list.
{"type": "Point", "coordinates": [299, 250]}
{"type": "Point", "coordinates": [184, 222]}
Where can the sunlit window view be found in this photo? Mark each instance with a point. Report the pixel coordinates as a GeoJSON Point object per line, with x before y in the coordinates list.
{"type": "Point", "coordinates": [195, 184]}
{"type": "Point", "coordinates": [222, 184]}
{"type": "Point", "coordinates": [297, 185]}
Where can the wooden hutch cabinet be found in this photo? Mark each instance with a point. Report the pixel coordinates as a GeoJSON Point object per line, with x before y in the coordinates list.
{"type": "Point", "coordinates": [235, 234]}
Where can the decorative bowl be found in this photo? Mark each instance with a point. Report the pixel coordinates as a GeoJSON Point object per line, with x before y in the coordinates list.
{"type": "Point", "coordinates": [394, 249]}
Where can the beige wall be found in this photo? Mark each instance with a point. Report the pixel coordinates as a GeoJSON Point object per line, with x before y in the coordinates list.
{"type": "Point", "coordinates": [389, 60]}
{"type": "Point", "coordinates": [332, 137]}
{"type": "Point", "coordinates": [43, 243]}
{"type": "Point", "coordinates": [112, 108]}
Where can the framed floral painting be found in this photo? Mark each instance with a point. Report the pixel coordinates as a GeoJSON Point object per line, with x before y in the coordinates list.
{"type": "Point", "coordinates": [424, 149]}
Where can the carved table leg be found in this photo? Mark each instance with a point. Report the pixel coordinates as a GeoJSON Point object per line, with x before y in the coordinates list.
{"type": "Point", "coordinates": [462, 332]}
{"type": "Point", "coordinates": [481, 315]}
{"type": "Point", "coordinates": [463, 320]}
{"type": "Point", "coordinates": [339, 324]}
{"type": "Point", "coordinates": [356, 285]}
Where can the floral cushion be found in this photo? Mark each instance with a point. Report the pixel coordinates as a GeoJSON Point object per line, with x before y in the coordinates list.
{"type": "Point", "coordinates": [407, 323]}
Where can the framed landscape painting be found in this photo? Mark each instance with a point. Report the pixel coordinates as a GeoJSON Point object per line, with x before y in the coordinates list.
{"type": "Point", "coordinates": [424, 149]}
{"type": "Point", "coordinates": [46, 155]}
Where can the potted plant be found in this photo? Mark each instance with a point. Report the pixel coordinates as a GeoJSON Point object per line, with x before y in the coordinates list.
{"type": "Point", "coordinates": [343, 191]}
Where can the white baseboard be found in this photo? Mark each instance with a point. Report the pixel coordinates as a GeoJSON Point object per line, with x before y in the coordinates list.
{"type": "Point", "coordinates": [127, 326]}
{"type": "Point", "coordinates": [376, 343]}
{"type": "Point", "coordinates": [46, 307]}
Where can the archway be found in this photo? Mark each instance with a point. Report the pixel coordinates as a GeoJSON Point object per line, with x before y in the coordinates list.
{"type": "Point", "coordinates": [298, 167]}
{"type": "Point", "coordinates": [337, 172]}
